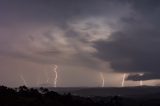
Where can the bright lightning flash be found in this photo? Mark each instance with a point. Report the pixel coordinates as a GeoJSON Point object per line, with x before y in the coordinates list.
{"type": "Point", "coordinates": [56, 75]}
{"type": "Point", "coordinates": [102, 78]}
{"type": "Point", "coordinates": [141, 82]}
{"type": "Point", "coordinates": [124, 76]}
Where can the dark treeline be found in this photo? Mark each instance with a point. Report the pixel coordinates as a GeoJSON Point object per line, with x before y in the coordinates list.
{"type": "Point", "coordinates": [24, 96]}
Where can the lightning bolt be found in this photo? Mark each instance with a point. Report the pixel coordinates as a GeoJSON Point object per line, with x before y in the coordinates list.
{"type": "Point", "coordinates": [123, 80]}
{"type": "Point", "coordinates": [56, 75]}
{"type": "Point", "coordinates": [141, 82]}
{"type": "Point", "coordinates": [23, 80]}
{"type": "Point", "coordinates": [102, 78]}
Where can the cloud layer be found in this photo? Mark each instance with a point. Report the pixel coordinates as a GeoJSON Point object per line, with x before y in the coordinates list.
{"type": "Point", "coordinates": [95, 34]}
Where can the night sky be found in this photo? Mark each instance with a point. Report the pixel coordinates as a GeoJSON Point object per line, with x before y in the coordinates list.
{"type": "Point", "coordinates": [84, 38]}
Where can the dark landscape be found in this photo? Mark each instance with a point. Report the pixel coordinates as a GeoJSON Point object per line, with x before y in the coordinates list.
{"type": "Point", "coordinates": [129, 96]}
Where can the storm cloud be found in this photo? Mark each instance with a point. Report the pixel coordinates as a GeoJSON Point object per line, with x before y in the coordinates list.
{"type": "Point", "coordinates": [146, 76]}
{"type": "Point", "coordinates": [135, 48]}
{"type": "Point", "coordinates": [58, 31]}
{"type": "Point", "coordinates": [94, 35]}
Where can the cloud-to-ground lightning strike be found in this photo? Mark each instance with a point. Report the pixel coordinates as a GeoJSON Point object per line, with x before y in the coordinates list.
{"type": "Point", "coordinates": [102, 78]}
{"type": "Point", "coordinates": [56, 75]}
{"type": "Point", "coordinates": [23, 80]}
{"type": "Point", "coordinates": [141, 82]}
{"type": "Point", "coordinates": [123, 80]}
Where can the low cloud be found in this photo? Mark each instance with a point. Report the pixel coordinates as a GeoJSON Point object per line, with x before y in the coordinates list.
{"type": "Point", "coordinates": [147, 76]}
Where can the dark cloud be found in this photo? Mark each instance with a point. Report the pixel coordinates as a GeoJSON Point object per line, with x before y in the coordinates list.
{"type": "Point", "coordinates": [135, 48]}
{"type": "Point", "coordinates": [132, 52]}
{"type": "Point", "coordinates": [147, 76]}
{"type": "Point", "coordinates": [53, 11]}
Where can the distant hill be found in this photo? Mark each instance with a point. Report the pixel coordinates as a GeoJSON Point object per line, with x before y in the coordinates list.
{"type": "Point", "coordinates": [110, 91]}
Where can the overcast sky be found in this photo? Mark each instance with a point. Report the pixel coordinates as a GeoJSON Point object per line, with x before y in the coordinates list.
{"type": "Point", "coordinates": [82, 37]}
